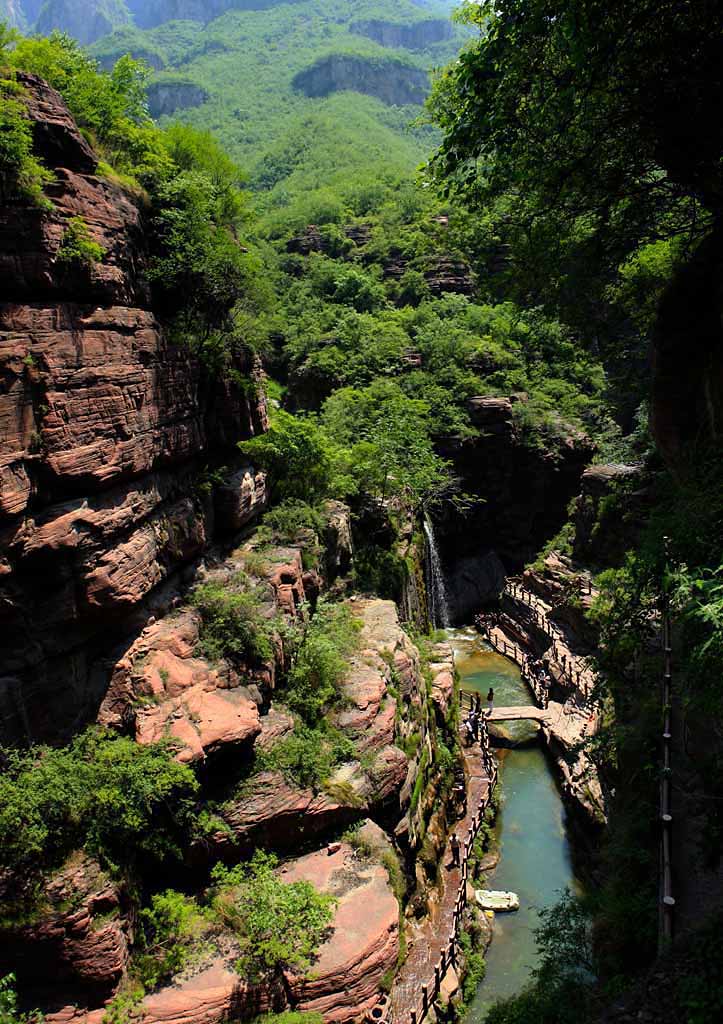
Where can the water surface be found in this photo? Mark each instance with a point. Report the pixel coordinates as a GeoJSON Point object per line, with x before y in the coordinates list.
{"type": "Point", "coordinates": [535, 853]}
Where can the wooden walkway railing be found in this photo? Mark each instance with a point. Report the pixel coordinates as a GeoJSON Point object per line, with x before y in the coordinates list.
{"type": "Point", "coordinates": [510, 650]}
{"type": "Point", "coordinates": [448, 956]}
{"type": "Point", "coordinates": [515, 590]}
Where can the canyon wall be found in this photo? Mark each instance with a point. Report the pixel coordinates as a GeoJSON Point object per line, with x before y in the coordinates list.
{"type": "Point", "coordinates": [521, 494]}
{"type": "Point", "coordinates": [109, 431]}
{"type": "Point", "coordinates": [392, 82]}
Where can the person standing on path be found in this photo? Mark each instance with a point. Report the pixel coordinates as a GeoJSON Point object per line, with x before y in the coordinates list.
{"type": "Point", "coordinates": [454, 844]}
{"type": "Point", "coordinates": [490, 701]}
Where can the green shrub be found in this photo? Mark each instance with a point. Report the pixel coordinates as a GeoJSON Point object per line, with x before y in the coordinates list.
{"type": "Point", "coordinates": [279, 925]}
{"type": "Point", "coordinates": [9, 1013]}
{"type": "Point", "coordinates": [289, 520]}
{"type": "Point", "coordinates": [321, 662]}
{"type": "Point", "coordinates": [308, 756]}
{"type": "Point", "coordinates": [125, 1006]}
{"type": "Point", "coordinates": [172, 928]}
{"type": "Point", "coordinates": [475, 967]}
{"type": "Point", "coordinates": [77, 247]}
{"type": "Point", "coordinates": [21, 173]}
{"type": "Point", "coordinates": [232, 623]}
{"type": "Point", "coordinates": [117, 799]}
{"type": "Point", "coordinates": [291, 1017]}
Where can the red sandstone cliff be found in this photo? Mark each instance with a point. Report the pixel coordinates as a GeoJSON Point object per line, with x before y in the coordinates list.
{"type": "Point", "coordinates": [106, 429]}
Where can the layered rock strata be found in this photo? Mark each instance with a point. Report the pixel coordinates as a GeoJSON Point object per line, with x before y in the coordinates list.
{"type": "Point", "coordinates": [108, 427]}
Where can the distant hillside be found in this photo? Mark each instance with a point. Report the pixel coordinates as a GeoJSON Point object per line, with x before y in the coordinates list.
{"type": "Point", "coordinates": [302, 93]}
{"type": "Point", "coordinates": [319, 100]}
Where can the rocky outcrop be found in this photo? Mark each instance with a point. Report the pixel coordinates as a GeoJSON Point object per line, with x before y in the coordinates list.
{"type": "Point", "coordinates": [338, 542]}
{"type": "Point", "coordinates": [85, 20]}
{"type": "Point", "coordinates": [687, 387]}
{"type": "Point", "coordinates": [524, 494]}
{"type": "Point", "coordinates": [79, 942]}
{"type": "Point", "coordinates": [165, 97]}
{"type": "Point", "coordinates": [415, 36]}
{"type": "Point", "coordinates": [449, 274]}
{"type": "Point", "coordinates": [362, 945]}
{"type": "Point", "coordinates": [609, 513]}
{"type": "Point", "coordinates": [271, 809]}
{"type": "Point", "coordinates": [107, 429]}
{"type": "Point", "coordinates": [392, 82]}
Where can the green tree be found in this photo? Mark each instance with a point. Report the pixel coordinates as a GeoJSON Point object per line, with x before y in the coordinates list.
{"type": "Point", "coordinates": [9, 1012]}
{"type": "Point", "coordinates": [279, 925]}
{"type": "Point", "coordinates": [389, 438]}
{"type": "Point", "coordinates": [608, 109]}
{"type": "Point", "coordinates": [110, 795]}
{"type": "Point", "coordinates": [297, 454]}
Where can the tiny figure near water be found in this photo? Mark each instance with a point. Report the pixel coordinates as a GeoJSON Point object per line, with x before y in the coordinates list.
{"type": "Point", "coordinates": [490, 701]}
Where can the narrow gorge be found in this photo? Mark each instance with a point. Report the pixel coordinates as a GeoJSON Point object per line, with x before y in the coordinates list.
{"type": "Point", "coordinates": [360, 512]}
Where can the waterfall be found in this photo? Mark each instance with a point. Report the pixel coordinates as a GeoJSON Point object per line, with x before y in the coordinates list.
{"type": "Point", "coordinates": [437, 604]}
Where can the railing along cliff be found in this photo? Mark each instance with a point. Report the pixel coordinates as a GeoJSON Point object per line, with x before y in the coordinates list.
{"type": "Point", "coordinates": [448, 955]}
{"type": "Point", "coordinates": [667, 900]}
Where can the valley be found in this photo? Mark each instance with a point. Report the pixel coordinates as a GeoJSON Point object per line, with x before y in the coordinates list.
{"type": "Point", "coordinates": [358, 360]}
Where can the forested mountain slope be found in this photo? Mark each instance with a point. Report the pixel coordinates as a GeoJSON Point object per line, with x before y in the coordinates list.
{"type": "Point", "coordinates": [250, 377]}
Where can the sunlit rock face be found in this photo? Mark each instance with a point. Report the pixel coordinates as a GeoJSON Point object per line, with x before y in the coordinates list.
{"type": "Point", "coordinates": [167, 97]}
{"type": "Point", "coordinates": [107, 427]}
{"type": "Point", "coordinates": [85, 20]}
{"type": "Point", "coordinates": [392, 82]}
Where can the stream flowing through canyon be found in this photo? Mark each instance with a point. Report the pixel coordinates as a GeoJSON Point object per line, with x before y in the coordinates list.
{"type": "Point", "coordinates": [535, 859]}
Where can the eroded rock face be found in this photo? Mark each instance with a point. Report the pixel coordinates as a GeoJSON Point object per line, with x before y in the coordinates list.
{"type": "Point", "coordinates": [416, 36]}
{"type": "Point", "coordinates": [271, 809]}
{"type": "Point", "coordinates": [107, 427]}
{"type": "Point", "coordinates": [525, 494]}
{"type": "Point", "coordinates": [362, 945]}
{"type": "Point", "coordinates": [166, 97]}
{"type": "Point", "coordinates": [79, 945]}
{"type": "Point", "coordinates": [609, 513]}
{"type": "Point", "coordinates": [392, 83]}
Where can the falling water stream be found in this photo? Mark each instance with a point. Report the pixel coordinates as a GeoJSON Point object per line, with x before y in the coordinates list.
{"type": "Point", "coordinates": [535, 857]}
{"type": "Point", "coordinates": [437, 602]}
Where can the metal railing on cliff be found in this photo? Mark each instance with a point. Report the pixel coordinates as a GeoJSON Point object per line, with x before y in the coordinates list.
{"type": "Point", "coordinates": [667, 900]}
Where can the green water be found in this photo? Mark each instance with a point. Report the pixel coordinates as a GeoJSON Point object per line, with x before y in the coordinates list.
{"type": "Point", "coordinates": [535, 855]}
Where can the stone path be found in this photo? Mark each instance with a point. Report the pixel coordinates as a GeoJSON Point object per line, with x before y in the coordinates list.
{"type": "Point", "coordinates": [432, 935]}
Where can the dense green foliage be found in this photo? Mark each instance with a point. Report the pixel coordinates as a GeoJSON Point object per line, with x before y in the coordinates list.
{"type": "Point", "coordinates": [115, 798]}
{"type": "Point", "coordinates": [309, 755]}
{"type": "Point", "coordinates": [233, 623]}
{"type": "Point", "coordinates": [172, 927]}
{"type": "Point", "coordinates": [21, 173]}
{"type": "Point", "coordinates": [310, 155]}
{"type": "Point", "coordinates": [331, 636]}
{"type": "Point", "coordinates": [9, 1012]}
{"type": "Point", "coordinates": [279, 925]}
{"type": "Point", "coordinates": [205, 281]}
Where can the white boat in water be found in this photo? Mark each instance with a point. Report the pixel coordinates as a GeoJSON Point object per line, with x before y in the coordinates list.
{"type": "Point", "coordinates": [500, 902]}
